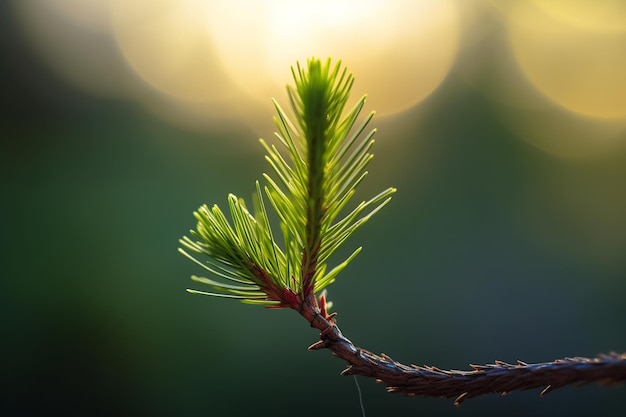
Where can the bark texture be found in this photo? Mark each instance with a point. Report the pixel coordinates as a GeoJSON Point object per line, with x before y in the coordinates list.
{"type": "Point", "coordinates": [499, 377]}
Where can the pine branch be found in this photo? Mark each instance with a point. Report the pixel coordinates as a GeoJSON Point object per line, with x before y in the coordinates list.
{"type": "Point", "coordinates": [430, 381]}
{"type": "Point", "coordinates": [324, 159]}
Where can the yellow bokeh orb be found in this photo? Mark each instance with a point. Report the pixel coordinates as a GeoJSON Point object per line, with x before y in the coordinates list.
{"type": "Point", "coordinates": [580, 68]}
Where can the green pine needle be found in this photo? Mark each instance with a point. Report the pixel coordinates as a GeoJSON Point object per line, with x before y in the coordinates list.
{"type": "Point", "coordinates": [315, 175]}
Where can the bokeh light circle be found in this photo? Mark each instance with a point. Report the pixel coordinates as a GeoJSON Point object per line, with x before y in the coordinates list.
{"type": "Point", "coordinates": [579, 68]}
{"type": "Point", "coordinates": [207, 58]}
{"type": "Point", "coordinates": [400, 51]}
{"type": "Point", "coordinates": [605, 15]}
{"type": "Point", "coordinates": [167, 44]}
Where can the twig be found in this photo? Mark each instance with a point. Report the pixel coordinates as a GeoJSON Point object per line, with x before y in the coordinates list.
{"type": "Point", "coordinates": [431, 381]}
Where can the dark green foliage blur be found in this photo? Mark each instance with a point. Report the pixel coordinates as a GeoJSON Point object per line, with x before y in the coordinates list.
{"type": "Point", "coordinates": [491, 249]}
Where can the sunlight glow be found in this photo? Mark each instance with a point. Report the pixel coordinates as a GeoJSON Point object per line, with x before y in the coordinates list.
{"type": "Point", "coordinates": [554, 68]}
{"type": "Point", "coordinates": [167, 44]}
{"type": "Point", "coordinates": [604, 15]}
{"type": "Point", "coordinates": [401, 50]}
{"type": "Point", "coordinates": [581, 68]}
{"type": "Point", "coordinates": [206, 58]}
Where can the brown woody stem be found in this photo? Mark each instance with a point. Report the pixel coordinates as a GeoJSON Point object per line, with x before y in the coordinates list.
{"type": "Point", "coordinates": [430, 381]}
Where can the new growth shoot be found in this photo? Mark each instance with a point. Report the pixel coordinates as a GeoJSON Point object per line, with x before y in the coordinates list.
{"type": "Point", "coordinates": [320, 160]}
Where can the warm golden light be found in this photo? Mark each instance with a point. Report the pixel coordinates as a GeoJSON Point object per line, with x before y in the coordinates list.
{"type": "Point", "coordinates": [401, 50]}
{"type": "Point", "coordinates": [604, 15]}
{"type": "Point", "coordinates": [168, 45]}
{"type": "Point", "coordinates": [554, 68]}
{"type": "Point", "coordinates": [580, 68]}
{"type": "Point", "coordinates": [210, 57]}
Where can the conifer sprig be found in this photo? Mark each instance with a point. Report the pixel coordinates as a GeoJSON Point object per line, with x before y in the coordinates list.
{"type": "Point", "coordinates": [317, 165]}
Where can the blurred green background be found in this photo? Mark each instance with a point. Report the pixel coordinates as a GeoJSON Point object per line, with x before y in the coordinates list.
{"type": "Point", "coordinates": [506, 239]}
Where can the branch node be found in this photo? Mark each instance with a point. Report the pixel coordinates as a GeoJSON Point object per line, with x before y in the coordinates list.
{"type": "Point", "coordinates": [460, 399]}
{"type": "Point", "coordinates": [348, 371]}
{"type": "Point", "coordinates": [320, 344]}
{"type": "Point", "coordinates": [327, 329]}
{"type": "Point", "coordinates": [546, 390]}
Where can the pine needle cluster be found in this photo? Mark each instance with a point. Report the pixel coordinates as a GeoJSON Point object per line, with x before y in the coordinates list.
{"type": "Point", "coordinates": [319, 161]}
